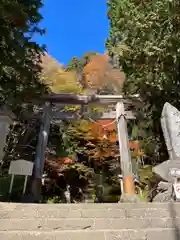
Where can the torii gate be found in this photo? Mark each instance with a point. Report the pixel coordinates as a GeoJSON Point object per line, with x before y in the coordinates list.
{"type": "Point", "coordinates": [70, 99]}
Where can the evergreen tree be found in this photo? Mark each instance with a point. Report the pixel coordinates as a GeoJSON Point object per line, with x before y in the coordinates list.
{"type": "Point", "coordinates": [20, 56]}
{"type": "Point", "coordinates": [144, 40]}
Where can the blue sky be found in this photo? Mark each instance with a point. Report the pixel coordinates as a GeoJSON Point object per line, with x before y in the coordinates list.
{"type": "Point", "coordinates": [74, 27]}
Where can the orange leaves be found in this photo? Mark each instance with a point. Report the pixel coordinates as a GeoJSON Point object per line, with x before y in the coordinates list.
{"type": "Point", "coordinates": [102, 137]}
{"type": "Point", "coordinates": [103, 129]}
{"type": "Point", "coordinates": [95, 70]}
{"type": "Point", "coordinates": [57, 164]}
{"type": "Point", "coordinates": [99, 74]}
{"type": "Point", "coordinates": [100, 147]}
{"type": "Point", "coordinates": [103, 150]}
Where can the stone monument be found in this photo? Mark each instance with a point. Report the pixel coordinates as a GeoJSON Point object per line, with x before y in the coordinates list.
{"type": "Point", "coordinates": [170, 123]}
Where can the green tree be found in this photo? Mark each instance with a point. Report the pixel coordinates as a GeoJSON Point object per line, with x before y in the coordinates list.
{"type": "Point", "coordinates": [73, 64]}
{"type": "Point", "coordinates": [144, 41]}
{"type": "Point", "coordinates": [78, 64]}
{"type": "Point", "coordinates": [20, 55]}
{"type": "Point", "coordinates": [20, 68]}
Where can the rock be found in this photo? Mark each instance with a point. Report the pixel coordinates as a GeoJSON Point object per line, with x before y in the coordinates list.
{"type": "Point", "coordinates": [163, 169]}
{"type": "Point", "coordinates": [163, 197]}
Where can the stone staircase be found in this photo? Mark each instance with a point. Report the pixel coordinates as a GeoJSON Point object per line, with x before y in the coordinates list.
{"type": "Point", "coordinates": [149, 221]}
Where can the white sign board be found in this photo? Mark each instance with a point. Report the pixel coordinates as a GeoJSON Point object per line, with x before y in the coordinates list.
{"type": "Point", "coordinates": [21, 167]}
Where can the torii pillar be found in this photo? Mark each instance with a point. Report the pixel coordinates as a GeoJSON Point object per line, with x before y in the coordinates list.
{"type": "Point", "coordinates": [36, 184]}
{"type": "Point", "coordinates": [129, 194]}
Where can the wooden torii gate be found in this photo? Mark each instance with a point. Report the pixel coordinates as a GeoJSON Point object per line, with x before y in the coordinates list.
{"type": "Point", "coordinates": [119, 114]}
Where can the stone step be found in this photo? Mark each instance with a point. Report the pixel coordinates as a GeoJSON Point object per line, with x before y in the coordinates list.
{"type": "Point", "coordinates": [149, 221]}
{"type": "Point", "coordinates": [146, 234]}
{"type": "Point", "coordinates": [12, 206]}
{"type": "Point", "coordinates": [52, 211]}
{"type": "Point", "coordinates": [86, 224]}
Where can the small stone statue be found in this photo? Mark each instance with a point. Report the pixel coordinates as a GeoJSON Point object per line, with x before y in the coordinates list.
{"type": "Point", "coordinates": [67, 194]}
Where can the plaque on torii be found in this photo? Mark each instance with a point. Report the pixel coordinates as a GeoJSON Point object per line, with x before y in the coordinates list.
{"type": "Point", "coordinates": [120, 114]}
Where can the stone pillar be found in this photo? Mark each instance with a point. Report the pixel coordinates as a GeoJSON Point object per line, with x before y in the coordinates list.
{"type": "Point", "coordinates": [129, 194]}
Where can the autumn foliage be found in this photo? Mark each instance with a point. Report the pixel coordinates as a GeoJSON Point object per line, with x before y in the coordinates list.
{"type": "Point", "coordinates": [96, 141]}
{"type": "Point", "coordinates": [57, 78]}
{"type": "Point", "coordinates": [100, 74]}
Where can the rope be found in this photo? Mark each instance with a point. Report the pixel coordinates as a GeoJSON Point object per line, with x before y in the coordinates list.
{"type": "Point", "coordinates": [106, 125]}
{"type": "Point", "coordinates": [121, 116]}
{"type": "Point", "coordinates": [93, 121]}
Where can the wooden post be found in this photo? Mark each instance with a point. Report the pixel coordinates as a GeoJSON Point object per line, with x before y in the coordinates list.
{"type": "Point", "coordinates": [40, 153]}
{"type": "Point", "coordinates": [125, 156]}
